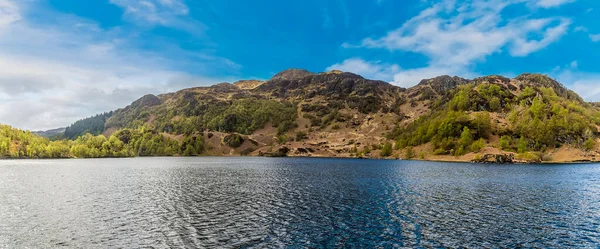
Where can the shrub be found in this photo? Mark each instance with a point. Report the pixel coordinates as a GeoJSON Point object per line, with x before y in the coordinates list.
{"type": "Point", "coordinates": [477, 145]}
{"type": "Point", "coordinates": [386, 151]}
{"type": "Point", "coordinates": [505, 142]}
{"type": "Point", "coordinates": [300, 135]}
{"type": "Point", "coordinates": [281, 139]}
{"type": "Point", "coordinates": [589, 144]}
{"type": "Point", "coordinates": [528, 156]}
{"type": "Point", "coordinates": [409, 153]}
{"type": "Point", "coordinates": [233, 140]}
{"type": "Point", "coordinates": [522, 145]}
{"type": "Point", "coordinates": [440, 151]}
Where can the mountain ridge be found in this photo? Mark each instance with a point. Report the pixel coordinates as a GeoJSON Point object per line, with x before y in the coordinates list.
{"type": "Point", "coordinates": [341, 114]}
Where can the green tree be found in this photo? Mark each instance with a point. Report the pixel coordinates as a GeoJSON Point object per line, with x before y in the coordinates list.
{"type": "Point", "coordinates": [466, 138]}
{"type": "Point", "coordinates": [409, 153]}
{"type": "Point", "coordinates": [522, 146]}
{"type": "Point", "coordinates": [505, 142]}
{"type": "Point", "coordinates": [482, 124]}
{"type": "Point", "coordinates": [589, 144]}
{"type": "Point", "coordinates": [386, 151]}
{"type": "Point", "coordinates": [477, 145]}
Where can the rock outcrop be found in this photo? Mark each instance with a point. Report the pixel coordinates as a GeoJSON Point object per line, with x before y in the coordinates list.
{"type": "Point", "coordinates": [495, 158]}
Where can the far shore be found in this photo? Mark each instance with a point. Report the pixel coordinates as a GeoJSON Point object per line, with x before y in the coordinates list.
{"type": "Point", "coordinates": [446, 159]}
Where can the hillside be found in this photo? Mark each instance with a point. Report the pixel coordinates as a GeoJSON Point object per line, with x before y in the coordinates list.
{"type": "Point", "coordinates": [50, 133]}
{"type": "Point", "coordinates": [337, 114]}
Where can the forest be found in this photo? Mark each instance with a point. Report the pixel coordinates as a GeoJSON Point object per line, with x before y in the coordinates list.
{"type": "Point", "coordinates": [538, 119]}
{"type": "Point", "coordinates": [16, 143]}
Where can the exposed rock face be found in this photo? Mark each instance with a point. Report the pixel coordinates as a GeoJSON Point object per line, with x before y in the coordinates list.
{"type": "Point", "coordinates": [493, 79]}
{"type": "Point", "coordinates": [444, 83]}
{"type": "Point", "coordinates": [344, 88]}
{"type": "Point", "coordinates": [146, 101]}
{"type": "Point", "coordinates": [496, 158]}
{"type": "Point", "coordinates": [281, 152]}
{"type": "Point", "coordinates": [248, 84]}
{"type": "Point", "coordinates": [292, 74]}
{"type": "Point", "coordinates": [224, 88]}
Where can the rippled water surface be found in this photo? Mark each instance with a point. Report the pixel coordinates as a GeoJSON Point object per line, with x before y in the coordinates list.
{"type": "Point", "coordinates": [270, 202]}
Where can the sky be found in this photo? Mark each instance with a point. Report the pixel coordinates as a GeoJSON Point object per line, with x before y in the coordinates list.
{"type": "Point", "coordinates": [63, 60]}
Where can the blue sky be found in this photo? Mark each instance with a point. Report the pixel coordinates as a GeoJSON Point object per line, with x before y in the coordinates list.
{"type": "Point", "coordinates": [62, 60]}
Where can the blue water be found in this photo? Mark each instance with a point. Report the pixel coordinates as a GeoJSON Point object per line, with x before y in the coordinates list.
{"type": "Point", "coordinates": [296, 203]}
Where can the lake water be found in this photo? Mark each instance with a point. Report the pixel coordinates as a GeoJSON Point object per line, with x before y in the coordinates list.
{"type": "Point", "coordinates": [277, 202]}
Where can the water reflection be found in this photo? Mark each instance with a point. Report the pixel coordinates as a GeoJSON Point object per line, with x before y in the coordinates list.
{"type": "Point", "coordinates": [270, 202]}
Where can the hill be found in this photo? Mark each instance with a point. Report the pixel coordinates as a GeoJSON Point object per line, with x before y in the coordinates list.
{"type": "Point", "coordinates": [338, 114]}
{"type": "Point", "coordinates": [58, 132]}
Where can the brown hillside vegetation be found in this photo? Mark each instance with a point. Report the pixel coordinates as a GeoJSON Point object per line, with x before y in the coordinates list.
{"type": "Point", "coordinates": [531, 118]}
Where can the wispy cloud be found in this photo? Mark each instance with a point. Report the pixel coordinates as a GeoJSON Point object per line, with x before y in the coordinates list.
{"type": "Point", "coordinates": [595, 37]}
{"type": "Point", "coordinates": [9, 13]}
{"type": "Point", "coordinates": [374, 69]}
{"type": "Point", "coordinates": [455, 36]}
{"type": "Point", "coordinates": [552, 3]}
{"type": "Point", "coordinates": [52, 75]}
{"type": "Point", "coordinates": [168, 13]}
{"type": "Point", "coordinates": [584, 83]}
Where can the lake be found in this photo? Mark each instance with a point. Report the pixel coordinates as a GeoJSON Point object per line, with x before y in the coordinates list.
{"type": "Point", "coordinates": [295, 202]}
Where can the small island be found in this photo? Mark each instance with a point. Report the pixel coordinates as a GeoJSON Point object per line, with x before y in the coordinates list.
{"type": "Point", "coordinates": [528, 119]}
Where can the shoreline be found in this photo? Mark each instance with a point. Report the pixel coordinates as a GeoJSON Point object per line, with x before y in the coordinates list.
{"type": "Point", "coordinates": [322, 157]}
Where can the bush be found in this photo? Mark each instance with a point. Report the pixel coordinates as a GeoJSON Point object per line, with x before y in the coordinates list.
{"type": "Point", "coordinates": [281, 139]}
{"type": "Point", "coordinates": [300, 135]}
{"type": "Point", "coordinates": [409, 153]}
{"type": "Point", "coordinates": [440, 151]}
{"type": "Point", "coordinates": [505, 142]}
{"type": "Point", "coordinates": [386, 151]}
{"type": "Point", "coordinates": [233, 140]}
{"type": "Point", "coordinates": [589, 144]}
{"type": "Point", "coordinates": [522, 146]}
{"type": "Point", "coordinates": [529, 157]}
{"type": "Point", "coordinates": [477, 145]}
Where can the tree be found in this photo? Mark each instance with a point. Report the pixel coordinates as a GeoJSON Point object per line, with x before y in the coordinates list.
{"type": "Point", "coordinates": [522, 146]}
{"type": "Point", "coordinates": [537, 108]}
{"type": "Point", "coordinates": [477, 145]}
{"type": "Point", "coordinates": [386, 151]}
{"type": "Point", "coordinates": [505, 142]}
{"type": "Point", "coordinates": [589, 144]}
{"type": "Point", "coordinates": [409, 153]}
{"type": "Point", "coordinates": [482, 124]}
{"type": "Point", "coordinates": [495, 104]}
{"type": "Point", "coordinates": [466, 138]}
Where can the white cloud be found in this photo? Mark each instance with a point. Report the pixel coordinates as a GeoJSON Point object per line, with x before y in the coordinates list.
{"type": "Point", "coordinates": [393, 73]}
{"type": "Point", "coordinates": [552, 3]}
{"type": "Point", "coordinates": [9, 13]}
{"type": "Point", "coordinates": [522, 46]}
{"type": "Point", "coordinates": [455, 36]}
{"type": "Point", "coordinates": [53, 75]}
{"type": "Point", "coordinates": [169, 13]}
{"type": "Point", "coordinates": [595, 37]}
{"type": "Point", "coordinates": [373, 70]}
{"type": "Point", "coordinates": [584, 83]}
